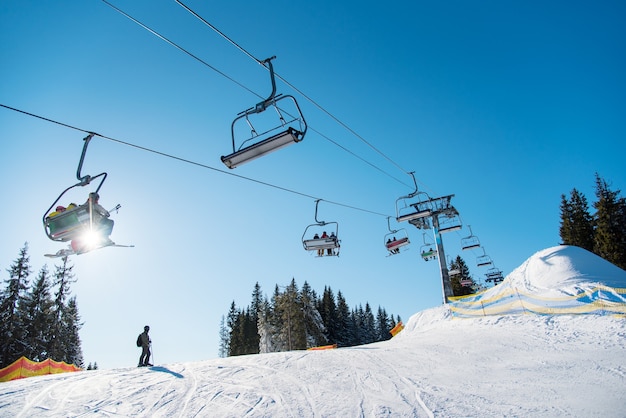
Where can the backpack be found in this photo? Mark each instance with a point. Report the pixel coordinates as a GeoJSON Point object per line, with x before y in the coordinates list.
{"type": "Point", "coordinates": [139, 343]}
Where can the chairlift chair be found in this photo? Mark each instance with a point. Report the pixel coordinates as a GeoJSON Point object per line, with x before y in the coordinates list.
{"type": "Point", "coordinates": [67, 225]}
{"type": "Point", "coordinates": [288, 132]}
{"type": "Point", "coordinates": [395, 239]}
{"type": "Point", "coordinates": [427, 250]}
{"type": "Point", "coordinates": [313, 240]}
{"type": "Point", "coordinates": [494, 275]}
{"type": "Point", "coordinates": [470, 242]}
{"type": "Point", "coordinates": [466, 282]}
{"type": "Point", "coordinates": [449, 223]}
{"type": "Point", "coordinates": [76, 223]}
{"type": "Point", "coordinates": [415, 205]}
{"type": "Point", "coordinates": [483, 260]}
{"type": "Point", "coordinates": [452, 271]}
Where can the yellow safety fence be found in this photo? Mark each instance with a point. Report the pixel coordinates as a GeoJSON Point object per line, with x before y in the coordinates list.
{"type": "Point", "coordinates": [601, 300]}
{"type": "Point", "coordinates": [24, 367]}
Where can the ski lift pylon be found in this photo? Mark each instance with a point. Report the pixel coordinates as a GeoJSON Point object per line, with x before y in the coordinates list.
{"type": "Point", "coordinates": [395, 239]}
{"type": "Point", "coordinates": [286, 133]}
{"type": "Point", "coordinates": [313, 240]}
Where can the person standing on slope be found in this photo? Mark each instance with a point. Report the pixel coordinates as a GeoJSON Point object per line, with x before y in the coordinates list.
{"type": "Point", "coordinates": [144, 359]}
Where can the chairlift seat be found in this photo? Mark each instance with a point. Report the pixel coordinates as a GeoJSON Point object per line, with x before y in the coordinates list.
{"type": "Point", "coordinates": [449, 229]}
{"type": "Point", "coordinates": [415, 215]}
{"type": "Point", "coordinates": [320, 243]}
{"type": "Point", "coordinates": [273, 143]}
{"type": "Point", "coordinates": [429, 254]}
{"type": "Point", "coordinates": [469, 244]}
{"type": "Point", "coordinates": [66, 225]}
{"type": "Point", "coordinates": [393, 245]}
{"type": "Point", "coordinates": [466, 282]}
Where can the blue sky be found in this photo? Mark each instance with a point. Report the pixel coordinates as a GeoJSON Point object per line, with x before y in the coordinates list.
{"type": "Point", "coordinates": [506, 105]}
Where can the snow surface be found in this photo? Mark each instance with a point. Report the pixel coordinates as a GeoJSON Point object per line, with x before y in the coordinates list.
{"type": "Point", "coordinates": [515, 365]}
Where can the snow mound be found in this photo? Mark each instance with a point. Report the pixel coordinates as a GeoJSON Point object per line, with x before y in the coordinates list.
{"type": "Point", "coordinates": [551, 273]}
{"type": "Point", "coordinates": [564, 270]}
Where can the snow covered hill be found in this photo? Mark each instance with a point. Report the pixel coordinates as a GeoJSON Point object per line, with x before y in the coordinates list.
{"type": "Point", "coordinates": [514, 365]}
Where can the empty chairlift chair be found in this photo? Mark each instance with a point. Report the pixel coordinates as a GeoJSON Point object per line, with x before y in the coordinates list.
{"type": "Point", "coordinates": [291, 127]}
{"type": "Point", "coordinates": [415, 205]}
{"type": "Point", "coordinates": [470, 242]}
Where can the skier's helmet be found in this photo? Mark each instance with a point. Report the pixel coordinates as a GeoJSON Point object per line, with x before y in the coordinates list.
{"type": "Point", "coordinates": [146, 328]}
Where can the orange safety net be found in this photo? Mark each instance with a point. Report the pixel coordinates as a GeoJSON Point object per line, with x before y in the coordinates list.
{"type": "Point", "coordinates": [24, 367]}
{"type": "Point", "coordinates": [399, 327]}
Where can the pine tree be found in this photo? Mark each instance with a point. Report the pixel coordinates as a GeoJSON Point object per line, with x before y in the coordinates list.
{"type": "Point", "coordinates": [463, 276]}
{"type": "Point", "coordinates": [313, 323]}
{"type": "Point", "coordinates": [288, 307]}
{"type": "Point", "coordinates": [328, 311]}
{"type": "Point", "coordinates": [345, 330]}
{"type": "Point", "coordinates": [39, 311]}
{"type": "Point", "coordinates": [369, 324]}
{"type": "Point", "coordinates": [72, 352]}
{"type": "Point", "coordinates": [12, 315]}
{"type": "Point", "coordinates": [232, 323]}
{"type": "Point", "coordinates": [266, 328]}
{"type": "Point", "coordinates": [577, 225]}
{"type": "Point", "coordinates": [63, 278]}
{"type": "Point", "coordinates": [252, 324]}
{"type": "Point", "coordinates": [382, 325]}
{"type": "Point", "coordinates": [610, 218]}
{"type": "Point", "coordinates": [224, 339]}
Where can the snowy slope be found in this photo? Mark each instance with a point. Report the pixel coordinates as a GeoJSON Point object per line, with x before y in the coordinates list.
{"type": "Point", "coordinates": [526, 365]}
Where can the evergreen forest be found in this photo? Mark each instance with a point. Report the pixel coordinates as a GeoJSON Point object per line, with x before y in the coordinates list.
{"type": "Point", "coordinates": [38, 315]}
{"type": "Point", "coordinates": [298, 318]}
{"type": "Point", "coordinates": [602, 232]}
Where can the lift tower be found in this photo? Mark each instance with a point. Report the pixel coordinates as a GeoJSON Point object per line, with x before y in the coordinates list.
{"type": "Point", "coordinates": [438, 214]}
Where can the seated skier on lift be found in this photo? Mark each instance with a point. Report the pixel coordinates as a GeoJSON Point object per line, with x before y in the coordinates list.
{"type": "Point", "coordinates": [101, 224]}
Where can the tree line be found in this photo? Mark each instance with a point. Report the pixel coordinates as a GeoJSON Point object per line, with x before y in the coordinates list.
{"type": "Point", "coordinates": [602, 232]}
{"type": "Point", "coordinates": [297, 319]}
{"type": "Point", "coordinates": [39, 319]}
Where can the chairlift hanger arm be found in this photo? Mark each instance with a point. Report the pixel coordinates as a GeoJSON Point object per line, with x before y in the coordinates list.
{"type": "Point", "coordinates": [86, 179]}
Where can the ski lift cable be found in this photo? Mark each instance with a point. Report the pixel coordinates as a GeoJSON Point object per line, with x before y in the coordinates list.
{"type": "Point", "coordinates": [320, 107]}
{"type": "Point", "coordinates": [187, 161]}
{"type": "Point", "coordinates": [158, 35]}
{"type": "Point", "coordinates": [172, 43]}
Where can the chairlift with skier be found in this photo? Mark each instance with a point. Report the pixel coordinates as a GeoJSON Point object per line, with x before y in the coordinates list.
{"type": "Point", "coordinates": [427, 250]}
{"type": "Point", "coordinates": [395, 239]}
{"type": "Point", "coordinates": [86, 226]}
{"type": "Point", "coordinates": [322, 237]}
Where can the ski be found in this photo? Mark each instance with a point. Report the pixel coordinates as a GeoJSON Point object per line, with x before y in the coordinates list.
{"type": "Point", "coordinates": [69, 251]}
